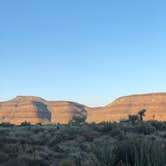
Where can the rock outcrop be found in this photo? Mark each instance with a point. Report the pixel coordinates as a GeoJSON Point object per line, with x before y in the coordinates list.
{"type": "Point", "coordinates": [154, 103]}
{"type": "Point", "coordinates": [37, 110]}
{"type": "Point", "coordinates": [63, 111]}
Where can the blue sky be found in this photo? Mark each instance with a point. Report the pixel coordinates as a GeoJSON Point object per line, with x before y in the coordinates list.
{"type": "Point", "coordinates": [89, 51]}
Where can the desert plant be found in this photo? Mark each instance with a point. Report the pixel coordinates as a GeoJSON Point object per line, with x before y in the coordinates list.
{"type": "Point", "coordinates": [107, 126]}
{"type": "Point", "coordinates": [104, 144]}
{"type": "Point", "coordinates": [158, 125]}
{"type": "Point", "coordinates": [145, 129]}
{"type": "Point", "coordinates": [6, 124]}
{"type": "Point", "coordinates": [105, 153]}
{"type": "Point", "coordinates": [66, 163]}
{"type": "Point", "coordinates": [133, 119]}
{"type": "Point", "coordinates": [78, 119]}
{"type": "Point", "coordinates": [141, 114]}
{"type": "Point", "coordinates": [25, 124]}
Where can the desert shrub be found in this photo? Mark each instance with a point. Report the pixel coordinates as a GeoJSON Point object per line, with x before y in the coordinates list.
{"type": "Point", "coordinates": [117, 132]}
{"type": "Point", "coordinates": [105, 153]}
{"type": "Point", "coordinates": [38, 163]}
{"type": "Point", "coordinates": [6, 124]}
{"type": "Point", "coordinates": [144, 128]}
{"type": "Point", "coordinates": [103, 144]}
{"type": "Point", "coordinates": [4, 132]}
{"type": "Point", "coordinates": [39, 124]}
{"type": "Point", "coordinates": [86, 147]}
{"type": "Point", "coordinates": [78, 119]}
{"type": "Point", "coordinates": [3, 157]}
{"type": "Point", "coordinates": [107, 126]}
{"type": "Point", "coordinates": [70, 132]}
{"type": "Point", "coordinates": [25, 162]}
{"type": "Point", "coordinates": [37, 129]}
{"type": "Point", "coordinates": [25, 124]}
{"type": "Point", "coordinates": [89, 135]}
{"type": "Point", "coordinates": [94, 126]}
{"type": "Point", "coordinates": [127, 128]}
{"type": "Point", "coordinates": [158, 125]}
{"type": "Point", "coordinates": [77, 157]}
{"type": "Point", "coordinates": [141, 152]}
{"type": "Point", "coordinates": [66, 163]}
{"type": "Point", "coordinates": [54, 140]}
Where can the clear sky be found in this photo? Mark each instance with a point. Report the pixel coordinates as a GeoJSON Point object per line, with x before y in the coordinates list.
{"type": "Point", "coordinates": [89, 51]}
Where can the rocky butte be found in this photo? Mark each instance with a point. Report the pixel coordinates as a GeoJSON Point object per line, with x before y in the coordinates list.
{"type": "Point", "coordinates": [37, 110]}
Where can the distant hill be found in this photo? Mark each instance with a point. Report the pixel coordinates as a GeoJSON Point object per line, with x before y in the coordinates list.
{"type": "Point", "coordinates": [37, 110]}
{"type": "Point", "coordinates": [154, 103]}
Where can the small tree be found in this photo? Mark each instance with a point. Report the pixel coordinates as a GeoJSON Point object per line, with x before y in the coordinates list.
{"type": "Point", "coordinates": [78, 119]}
{"type": "Point", "coordinates": [141, 114]}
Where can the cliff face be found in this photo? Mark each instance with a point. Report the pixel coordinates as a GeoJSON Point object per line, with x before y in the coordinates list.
{"type": "Point", "coordinates": [62, 111]}
{"type": "Point", "coordinates": [155, 104]}
{"type": "Point", "coordinates": [21, 109]}
{"type": "Point", "coordinates": [37, 110]}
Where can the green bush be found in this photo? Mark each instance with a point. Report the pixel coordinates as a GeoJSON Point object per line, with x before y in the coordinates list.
{"type": "Point", "coordinates": [66, 163]}
{"type": "Point", "coordinates": [25, 124]}
{"type": "Point", "coordinates": [107, 126]}
{"type": "Point", "coordinates": [158, 125]}
{"type": "Point", "coordinates": [6, 124]}
{"type": "Point", "coordinates": [3, 157]}
{"type": "Point", "coordinates": [145, 129]}
{"type": "Point", "coordinates": [141, 152]}
{"type": "Point", "coordinates": [105, 153]}
{"type": "Point", "coordinates": [104, 144]}
{"type": "Point", "coordinates": [78, 119]}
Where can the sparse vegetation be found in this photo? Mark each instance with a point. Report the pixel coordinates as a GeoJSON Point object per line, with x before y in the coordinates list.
{"type": "Point", "coordinates": [82, 144]}
{"type": "Point", "coordinates": [141, 114]}
{"type": "Point", "coordinates": [78, 119]}
{"type": "Point", "coordinates": [138, 117]}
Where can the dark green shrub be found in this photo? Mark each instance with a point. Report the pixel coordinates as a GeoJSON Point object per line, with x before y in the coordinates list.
{"type": "Point", "coordinates": [90, 135]}
{"type": "Point", "coordinates": [25, 162]}
{"type": "Point", "coordinates": [117, 132]}
{"type": "Point", "coordinates": [107, 126]}
{"type": "Point", "coordinates": [133, 119]}
{"type": "Point", "coordinates": [66, 163]}
{"type": "Point", "coordinates": [105, 153]}
{"type": "Point", "coordinates": [144, 128]}
{"type": "Point", "coordinates": [104, 144]}
{"type": "Point", "coordinates": [25, 124]}
{"type": "Point", "coordinates": [142, 152]}
{"type": "Point", "coordinates": [78, 119]}
{"type": "Point", "coordinates": [3, 157]}
{"type": "Point", "coordinates": [70, 132]}
{"type": "Point", "coordinates": [6, 124]}
{"type": "Point", "coordinates": [158, 125]}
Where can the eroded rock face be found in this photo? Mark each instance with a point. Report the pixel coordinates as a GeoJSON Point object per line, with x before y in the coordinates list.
{"type": "Point", "coordinates": [37, 110]}
{"type": "Point", "coordinates": [62, 111]}
{"type": "Point", "coordinates": [155, 104]}
{"type": "Point", "coordinates": [21, 109]}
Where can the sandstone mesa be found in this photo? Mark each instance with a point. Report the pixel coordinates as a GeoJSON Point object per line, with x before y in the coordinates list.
{"type": "Point", "coordinates": [37, 110]}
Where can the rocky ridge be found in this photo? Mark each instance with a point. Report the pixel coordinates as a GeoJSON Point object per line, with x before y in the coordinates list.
{"type": "Point", "coordinates": [37, 110]}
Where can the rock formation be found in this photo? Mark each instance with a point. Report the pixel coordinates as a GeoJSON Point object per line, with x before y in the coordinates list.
{"type": "Point", "coordinates": [37, 110]}
{"type": "Point", "coordinates": [154, 103]}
